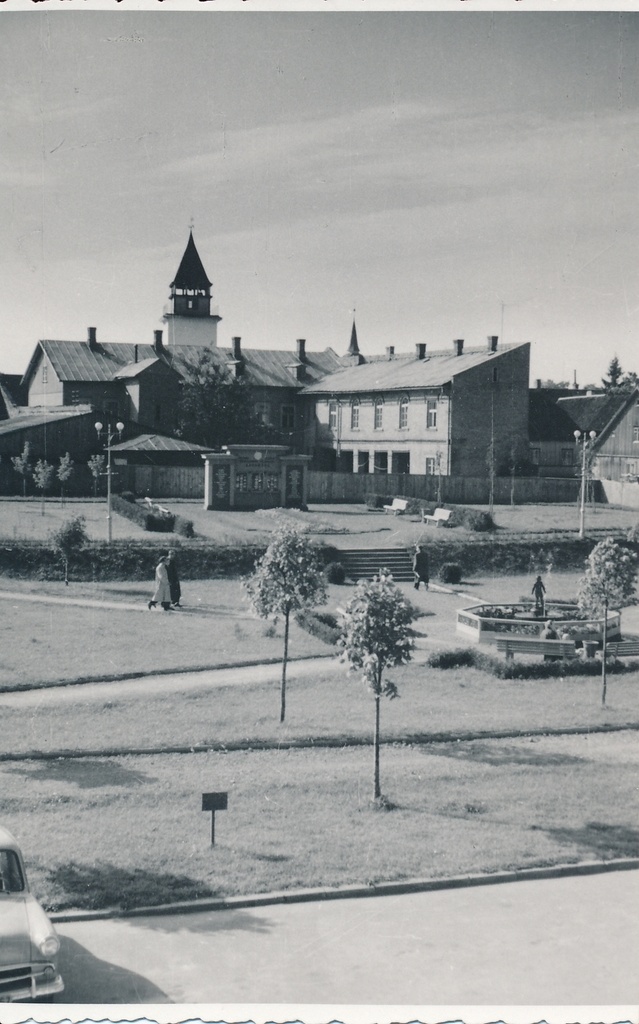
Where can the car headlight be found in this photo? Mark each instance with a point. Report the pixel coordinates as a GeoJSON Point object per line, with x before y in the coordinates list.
{"type": "Point", "coordinates": [49, 946]}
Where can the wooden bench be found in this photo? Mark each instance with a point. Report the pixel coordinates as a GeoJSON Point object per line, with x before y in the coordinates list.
{"type": "Point", "coordinates": [439, 516]}
{"type": "Point", "coordinates": [533, 645]}
{"type": "Point", "coordinates": [398, 507]}
{"type": "Point", "coordinates": [623, 648]}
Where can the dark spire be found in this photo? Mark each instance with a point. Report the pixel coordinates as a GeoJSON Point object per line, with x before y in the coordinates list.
{"type": "Point", "coordinates": [191, 274]}
{"type": "Point", "coordinates": [353, 348]}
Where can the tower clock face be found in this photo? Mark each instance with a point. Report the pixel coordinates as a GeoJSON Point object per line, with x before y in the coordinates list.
{"type": "Point", "coordinates": [258, 456]}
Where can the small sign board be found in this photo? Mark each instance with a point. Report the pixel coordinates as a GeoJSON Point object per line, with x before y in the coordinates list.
{"type": "Point", "coordinates": [214, 802]}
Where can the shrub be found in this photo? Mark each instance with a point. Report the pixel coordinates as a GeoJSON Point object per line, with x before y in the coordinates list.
{"type": "Point", "coordinates": [472, 518]}
{"type": "Point", "coordinates": [155, 522]}
{"type": "Point", "coordinates": [127, 496]}
{"type": "Point", "coordinates": [375, 501]}
{"type": "Point", "coordinates": [461, 657]}
{"type": "Point", "coordinates": [335, 572]}
{"type": "Point", "coordinates": [633, 533]}
{"type": "Point", "coordinates": [450, 572]}
{"type": "Point", "coordinates": [184, 527]}
{"type": "Point", "coordinates": [323, 625]}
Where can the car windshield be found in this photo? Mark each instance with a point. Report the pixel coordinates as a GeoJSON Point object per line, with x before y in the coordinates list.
{"type": "Point", "coordinates": [11, 877]}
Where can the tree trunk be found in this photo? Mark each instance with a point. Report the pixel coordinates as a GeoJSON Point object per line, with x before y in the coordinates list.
{"type": "Point", "coordinates": [284, 660]}
{"type": "Point", "coordinates": [376, 786]}
{"type": "Point", "coordinates": [604, 652]}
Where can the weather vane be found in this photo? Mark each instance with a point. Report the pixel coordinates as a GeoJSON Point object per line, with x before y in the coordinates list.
{"type": "Point", "coordinates": [191, 224]}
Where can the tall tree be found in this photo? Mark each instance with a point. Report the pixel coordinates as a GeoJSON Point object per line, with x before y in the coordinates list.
{"type": "Point", "coordinates": [22, 465]}
{"type": "Point", "coordinates": [96, 465]}
{"type": "Point", "coordinates": [65, 472]}
{"type": "Point", "coordinates": [216, 408]}
{"type": "Point", "coordinates": [376, 635]}
{"type": "Point", "coordinates": [609, 582]}
{"type": "Point", "coordinates": [615, 375]}
{"type": "Point", "coordinates": [43, 474]}
{"type": "Point", "coordinates": [287, 578]}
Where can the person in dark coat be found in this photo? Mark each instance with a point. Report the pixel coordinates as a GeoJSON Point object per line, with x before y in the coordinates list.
{"type": "Point", "coordinates": [539, 591]}
{"type": "Point", "coordinates": [420, 567]}
{"type": "Point", "coordinates": [174, 579]}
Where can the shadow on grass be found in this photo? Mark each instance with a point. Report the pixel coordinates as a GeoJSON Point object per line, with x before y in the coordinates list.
{"type": "Point", "coordinates": [84, 773]}
{"type": "Point", "coordinates": [499, 754]}
{"type": "Point", "coordinates": [607, 841]}
{"type": "Point", "coordinates": [102, 886]}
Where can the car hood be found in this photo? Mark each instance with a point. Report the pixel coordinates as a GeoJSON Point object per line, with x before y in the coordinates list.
{"type": "Point", "coordinates": [15, 942]}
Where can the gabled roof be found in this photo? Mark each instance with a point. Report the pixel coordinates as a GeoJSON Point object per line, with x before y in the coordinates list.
{"type": "Point", "coordinates": [77, 361]}
{"type": "Point", "coordinates": [547, 420]}
{"type": "Point", "coordinates": [157, 443]}
{"type": "Point", "coordinates": [405, 373]}
{"type": "Point", "coordinates": [134, 369]}
{"type": "Point", "coordinates": [191, 274]}
{"type": "Point", "coordinates": [596, 412]}
{"type": "Point", "coordinates": [265, 367]}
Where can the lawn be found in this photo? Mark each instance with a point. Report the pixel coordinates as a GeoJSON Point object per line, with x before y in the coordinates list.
{"type": "Point", "coordinates": [131, 830]}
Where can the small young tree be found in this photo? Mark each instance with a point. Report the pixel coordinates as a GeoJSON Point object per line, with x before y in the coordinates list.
{"type": "Point", "coordinates": [69, 540]}
{"type": "Point", "coordinates": [43, 475]}
{"type": "Point", "coordinates": [609, 582]}
{"type": "Point", "coordinates": [97, 465]}
{"type": "Point", "coordinates": [22, 465]}
{"type": "Point", "coordinates": [65, 472]}
{"type": "Point", "coordinates": [287, 578]}
{"type": "Point", "coordinates": [376, 634]}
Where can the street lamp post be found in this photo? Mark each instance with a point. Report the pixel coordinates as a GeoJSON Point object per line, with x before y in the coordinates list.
{"type": "Point", "coordinates": [584, 438]}
{"type": "Point", "coordinates": [108, 438]}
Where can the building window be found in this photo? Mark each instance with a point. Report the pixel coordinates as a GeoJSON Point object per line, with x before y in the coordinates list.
{"type": "Point", "coordinates": [257, 481]}
{"type": "Point", "coordinates": [363, 460]}
{"type": "Point", "coordinates": [332, 415]}
{"type": "Point", "coordinates": [44, 373]}
{"type": "Point", "coordinates": [567, 456]}
{"type": "Point", "coordinates": [379, 414]}
{"type": "Point", "coordinates": [495, 374]}
{"type": "Point", "coordinates": [403, 412]}
{"type": "Point", "coordinates": [400, 462]}
{"type": "Point", "coordinates": [288, 417]}
{"type": "Point", "coordinates": [535, 456]}
{"type": "Point", "coordinates": [263, 412]}
{"type": "Point", "coordinates": [355, 414]}
{"type": "Point", "coordinates": [430, 467]}
{"type": "Point", "coordinates": [431, 413]}
{"type": "Point", "coordinates": [380, 462]}
{"type": "Point", "coordinates": [241, 481]}
{"type": "Point", "coordinates": [635, 435]}
{"type": "Point", "coordinates": [75, 396]}
{"type": "Point", "coordinates": [272, 482]}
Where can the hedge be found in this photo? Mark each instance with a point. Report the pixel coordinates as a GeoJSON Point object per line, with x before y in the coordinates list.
{"type": "Point", "coordinates": [323, 625]}
{"type": "Point", "coordinates": [504, 668]}
{"type": "Point", "coordinates": [473, 519]}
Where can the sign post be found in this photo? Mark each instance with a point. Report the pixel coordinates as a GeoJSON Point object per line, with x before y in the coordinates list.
{"type": "Point", "coordinates": [214, 802]}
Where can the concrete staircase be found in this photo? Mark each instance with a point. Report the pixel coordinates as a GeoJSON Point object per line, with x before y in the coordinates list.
{"type": "Point", "coordinates": [364, 563]}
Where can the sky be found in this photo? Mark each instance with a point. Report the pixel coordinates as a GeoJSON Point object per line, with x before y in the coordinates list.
{"type": "Point", "coordinates": [447, 174]}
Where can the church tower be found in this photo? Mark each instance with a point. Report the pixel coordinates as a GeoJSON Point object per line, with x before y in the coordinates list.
{"type": "Point", "coordinates": [189, 317]}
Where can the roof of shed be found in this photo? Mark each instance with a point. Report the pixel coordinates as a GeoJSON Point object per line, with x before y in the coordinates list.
{"type": "Point", "coordinates": [157, 443]}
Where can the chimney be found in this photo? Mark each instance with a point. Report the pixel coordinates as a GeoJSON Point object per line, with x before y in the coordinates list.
{"type": "Point", "coordinates": [458, 345]}
{"type": "Point", "coordinates": [538, 383]}
{"type": "Point", "coordinates": [420, 350]}
{"type": "Point", "coordinates": [93, 342]}
{"type": "Point", "coordinates": [158, 348]}
{"type": "Point", "coordinates": [135, 353]}
{"type": "Point", "coordinates": [390, 351]}
{"type": "Point", "coordinates": [492, 342]}
{"type": "Point", "coordinates": [236, 348]}
{"type": "Point", "coordinates": [575, 386]}
{"type": "Point", "coordinates": [301, 349]}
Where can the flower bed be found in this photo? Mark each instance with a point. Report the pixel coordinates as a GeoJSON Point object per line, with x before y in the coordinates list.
{"type": "Point", "coordinates": [487, 623]}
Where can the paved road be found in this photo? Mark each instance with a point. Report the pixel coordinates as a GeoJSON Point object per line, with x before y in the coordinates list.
{"type": "Point", "coordinates": [557, 942]}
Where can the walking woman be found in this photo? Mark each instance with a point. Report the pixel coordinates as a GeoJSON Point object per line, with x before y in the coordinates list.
{"type": "Point", "coordinates": [162, 593]}
{"type": "Point", "coordinates": [174, 579]}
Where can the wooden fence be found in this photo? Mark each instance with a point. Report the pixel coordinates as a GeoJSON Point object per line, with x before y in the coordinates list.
{"type": "Point", "coordinates": [356, 487]}
{"type": "Point", "coordinates": [162, 481]}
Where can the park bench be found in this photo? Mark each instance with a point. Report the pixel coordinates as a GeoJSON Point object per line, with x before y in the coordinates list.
{"type": "Point", "coordinates": [623, 648]}
{"type": "Point", "coordinates": [533, 645]}
{"type": "Point", "coordinates": [439, 516]}
{"type": "Point", "coordinates": [397, 508]}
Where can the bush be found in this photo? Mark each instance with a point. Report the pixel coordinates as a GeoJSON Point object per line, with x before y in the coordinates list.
{"type": "Point", "coordinates": [184, 527]}
{"type": "Point", "coordinates": [154, 522]}
{"type": "Point", "coordinates": [503, 668]}
{"type": "Point", "coordinates": [335, 573]}
{"type": "Point", "coordinates": [461, 657]}
{"type": "Point", "coordinates": [450, 572]}
{"type": "Point", "coordinates": [472, 518]}
{"type": "Point", "coordinates": [375, 501]}
{"type": "Point", "coordinates": [633, 533]}
{"type": "Point", "coordinates": [127, 496]}
{"type": "Point", "coordinates": [323, 625]}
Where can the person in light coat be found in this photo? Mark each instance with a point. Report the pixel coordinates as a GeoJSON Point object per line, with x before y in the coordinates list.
{"type": "Point", "coordinates": [162, 593]}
